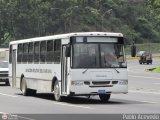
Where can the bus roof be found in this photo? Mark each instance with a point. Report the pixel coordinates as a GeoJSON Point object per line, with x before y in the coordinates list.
{"type": "Point", "coordinates": [60, 36]}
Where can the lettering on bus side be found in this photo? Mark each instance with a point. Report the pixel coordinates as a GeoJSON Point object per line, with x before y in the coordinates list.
{"type": "Point", "coordinates": [35, 70]}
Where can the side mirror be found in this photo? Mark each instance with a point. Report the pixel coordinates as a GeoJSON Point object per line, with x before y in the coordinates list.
{"type": "Point", "coordinates": [133, 50]}
{"type": "Point", "coordinates": [68, 51]}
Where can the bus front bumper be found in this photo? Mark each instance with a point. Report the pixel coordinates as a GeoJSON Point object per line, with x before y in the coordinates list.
{"type": "Point", "coordinates": [82, 89]}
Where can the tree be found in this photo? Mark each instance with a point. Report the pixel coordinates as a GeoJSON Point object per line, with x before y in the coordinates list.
{"type": "Point", "coordinates": [21, 19]}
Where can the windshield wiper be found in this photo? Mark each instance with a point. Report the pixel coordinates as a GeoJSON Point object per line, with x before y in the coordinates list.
{"type": "Point", "coordinates": [116, 70]}
{"type": "Point", "coordinates": [94, 63]}
{"type": "Point", "coordinates": [111, 65]}
{"type": "Point", "coordinates": [85, 70]}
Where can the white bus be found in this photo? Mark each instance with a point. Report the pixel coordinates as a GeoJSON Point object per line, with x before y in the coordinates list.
{"type": "Point", "coordinates": [73, 64]}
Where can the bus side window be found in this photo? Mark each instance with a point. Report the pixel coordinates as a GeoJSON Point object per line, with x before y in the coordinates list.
{"type": "Point", "coordinates": [10, 54]}
{"type": "Point", "coordinates": [57, 50]}
{"type": "Point", "coordinates": [49, 54]}
{"type": "Point", "coordinates": [36, 52]}
{"type": "Point", "coordinates": [30, 52]}
{"type": "Point", "coordinates": [20, 51]}
{"type": "Point", "coordinates": [25, 53]}
{"type": "Point", "coordinates": [43, 51]}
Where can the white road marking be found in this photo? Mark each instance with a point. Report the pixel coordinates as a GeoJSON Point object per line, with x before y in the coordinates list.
{"type": "Point", "coordinates": [134, 91]}
{"type": "Point", "coordinates": [26, 118]}
{"type": "Point", "coordinates": [147, 102]}
{"type": "Point", "coordinates": [156, 83]}
{"type": "Point", "coordinates": [144, 77]}
{"type": "Point", "coordinates": [151, 102]}
{"type": "Point", "coordinates": [133, 71]}
{"type": "Point", "coordinates": [73, 105]}
{"type": "Point", "coordinates": [7, 95]}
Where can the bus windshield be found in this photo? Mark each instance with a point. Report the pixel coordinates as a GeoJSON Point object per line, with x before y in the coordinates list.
{"type": "Point", "coordinates": [98, 55]}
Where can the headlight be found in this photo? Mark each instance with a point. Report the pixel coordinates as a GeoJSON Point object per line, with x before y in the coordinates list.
{"type": "Point", "coordinates": [123, 82]}
{"type": "Point", "coordinates": [76, 82]}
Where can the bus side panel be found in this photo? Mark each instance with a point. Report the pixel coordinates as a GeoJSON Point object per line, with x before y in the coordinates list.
{"type": "Point", "coordinates": [39, 76]}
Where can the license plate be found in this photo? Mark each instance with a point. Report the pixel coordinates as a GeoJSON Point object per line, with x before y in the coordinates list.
{"type": "Point", "coordinates": [101, 91]}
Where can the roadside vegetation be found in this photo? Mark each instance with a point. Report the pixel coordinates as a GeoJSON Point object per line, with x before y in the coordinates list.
{"type": "Point", "coordinates": [138, 20]}
{"type": "Point", "coordinates": [157, 70]}
{"type": "Point", "coordinates": [153, 48]}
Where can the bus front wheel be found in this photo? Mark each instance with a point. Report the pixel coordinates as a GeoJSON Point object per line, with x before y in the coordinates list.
{"type": "Point", "coordinates": [57, 95]}
{"type": "Point", "coordinates": [104, 97]}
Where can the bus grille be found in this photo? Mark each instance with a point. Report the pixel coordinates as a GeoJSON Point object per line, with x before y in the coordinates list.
{"type": "Point", "coordinates": [3, 75]}
{"type": "Point", "coordinates": [101, 82]}
{"type": "Point", "coordinates": [114, 82]}
{"type": "Point", "coordinates": [3, 72]}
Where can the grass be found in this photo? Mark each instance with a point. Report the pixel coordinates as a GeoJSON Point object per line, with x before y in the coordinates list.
{"type": "Point", "coordinates": [157, 70]}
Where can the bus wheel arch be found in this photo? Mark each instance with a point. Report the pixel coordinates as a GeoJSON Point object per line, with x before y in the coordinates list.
{"type": "Point", "coordinates": [24, 89]}
{"type": "Point", "coordinates": [53, 82]}
{"type": "Point", "coordinates": [21, 81]}
{"type": "Point", "coordinates": [56, 89]}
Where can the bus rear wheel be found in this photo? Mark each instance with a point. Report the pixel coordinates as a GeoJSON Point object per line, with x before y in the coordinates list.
{"type": "Point", "coordinates": [104, 97]}
{"type": "Point", "coordinates": [57, 95]}
{"type": "Point", "coordinates": [24, 89]}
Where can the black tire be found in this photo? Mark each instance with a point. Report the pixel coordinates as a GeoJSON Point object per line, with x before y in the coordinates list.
{"type": "Point", "coordinates": [133, 51]}
{"type": "Point", "coordinates": [57, 95]}
{"type": "Point", "coordinates": [140, 62]}
{"type": "Point", "coordinates": [104, 97]}
{"type": "Point", "coordinates": [24, 89]}
{"type": "Point", "coordinates": [32, 92]}
{"type": "Point", "coordinates": [150, 62]}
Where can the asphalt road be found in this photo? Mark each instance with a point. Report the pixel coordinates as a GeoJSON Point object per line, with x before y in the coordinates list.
{"type": "Point", "coordinates": [143, 97]}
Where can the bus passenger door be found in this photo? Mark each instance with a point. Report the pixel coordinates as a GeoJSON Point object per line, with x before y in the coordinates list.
{"type": "Point", "coordinates": [14, 68]}
{"type": "Point", "coordinates": [64, 71]}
